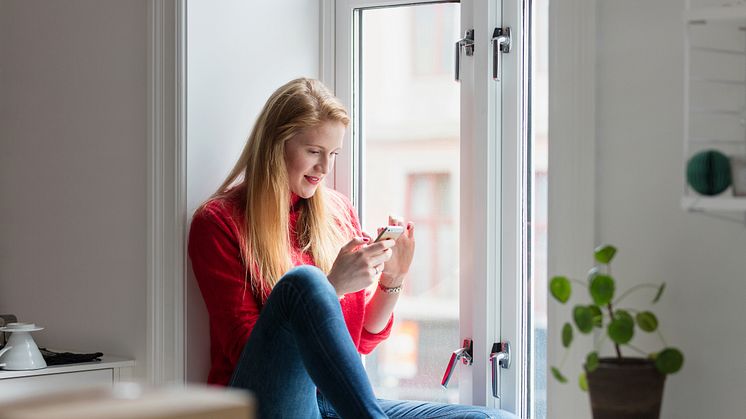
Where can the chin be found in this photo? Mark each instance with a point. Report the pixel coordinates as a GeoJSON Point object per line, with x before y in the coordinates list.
{"type": "Point", "coordinates": [306, 193]}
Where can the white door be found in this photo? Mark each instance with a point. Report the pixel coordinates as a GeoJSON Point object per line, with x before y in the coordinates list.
{"type": "Point", "coordinates": [451, 156]}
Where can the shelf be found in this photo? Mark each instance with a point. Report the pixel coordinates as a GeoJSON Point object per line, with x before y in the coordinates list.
{"type": "Point", "coordinates": [724, 203]}
{"type": "Point", "coordinates": [733, 13]}
{"type": "Point", "coordinates": [107, 362]}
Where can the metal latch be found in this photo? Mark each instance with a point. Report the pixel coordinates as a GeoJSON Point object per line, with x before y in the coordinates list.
{"type": "Point", "coordinates": [499, 356]}
{"type": "Point", "coordinates": [501, 44]}
{"type": "Point", "coordinates": [467, 43]}
{"type": "Point", "coordinates": [465, 354]}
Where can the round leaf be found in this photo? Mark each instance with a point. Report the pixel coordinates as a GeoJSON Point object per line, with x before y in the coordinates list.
{"type": "Point", "coordinates": [583, 382]}
{"type": "Point", "coordinates": [624, 314]}
{"type": "Point", "coordinates": [669, 360]}
{"type": "Point", "coordinates": [591, 362]}
{"type": "Point", "coordinates": [659, 293]}
{"type": "Point", "coordinates": [583, 317]}
{"type": "Point", "coordinates": [647, 321]}
{"type": "Point", "coordinates": [558, 375]}
{"type": "Point", "coordinates": [592, 273]}
{"type": "Point", "coordinates": [598, 318]}
{"type": "Point", "coordinates": [602, 289]}
{"type": "Point", "coordinates": [604, 253]}
{"type": "Point", "coordinates": [560, 288]}
{"type": "Point", "coordinates": [621, 330]}
{"type": "Point", "coordinates": [566, 335]}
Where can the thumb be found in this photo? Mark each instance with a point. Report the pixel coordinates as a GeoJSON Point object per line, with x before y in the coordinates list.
{"type": "Point", "coordinates": [353, 244]}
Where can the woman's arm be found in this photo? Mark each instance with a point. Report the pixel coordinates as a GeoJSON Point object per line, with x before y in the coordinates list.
{"type": "Point", "coordinates": [381, 306]}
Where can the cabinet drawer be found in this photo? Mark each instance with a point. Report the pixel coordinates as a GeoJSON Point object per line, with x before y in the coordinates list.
{"type": "Point", "coordinates": [12, 388]}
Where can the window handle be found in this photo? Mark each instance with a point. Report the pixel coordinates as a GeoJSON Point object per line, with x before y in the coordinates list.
{"type": "Point", "coordinates": [499, 358]}
{"type": "Point", "coordinates": [467, 42]}
{"type": "Point", "coordinates": [501, 44]}
{"type": "Point", "coordinates": [465, 354]}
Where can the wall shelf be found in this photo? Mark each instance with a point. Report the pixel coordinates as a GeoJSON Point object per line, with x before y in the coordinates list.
{"type": "Point", "coordinates": [725, 13]}
{"type": "Point", "coordinates": [714, 97]}
{"type": "Point", "coordinates": [702, 203]}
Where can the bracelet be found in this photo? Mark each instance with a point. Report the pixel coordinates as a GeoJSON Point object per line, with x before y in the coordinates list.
{"type": "Point", "coordinates": [389, 290]}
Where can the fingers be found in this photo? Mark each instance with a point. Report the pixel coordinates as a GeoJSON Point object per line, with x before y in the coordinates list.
{"type": "Point", "coordinates": [353, 244]}
{"type": "Point", "coordinates": [395, 220]}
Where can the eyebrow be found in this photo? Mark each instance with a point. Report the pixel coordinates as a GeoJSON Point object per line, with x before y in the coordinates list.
{"type": "Point", "coordinates": [309, 144]}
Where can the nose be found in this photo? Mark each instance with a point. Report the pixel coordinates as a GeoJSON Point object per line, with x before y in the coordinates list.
{"type": "Point", "coordinates": [324, 164]}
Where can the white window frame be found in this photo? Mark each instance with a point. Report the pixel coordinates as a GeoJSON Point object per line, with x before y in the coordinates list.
{"type": "Point", "coordinates": [491, 251]}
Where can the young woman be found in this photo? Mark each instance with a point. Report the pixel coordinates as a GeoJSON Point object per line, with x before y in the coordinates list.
{"type": "Point", "coordinates": [288, 275]}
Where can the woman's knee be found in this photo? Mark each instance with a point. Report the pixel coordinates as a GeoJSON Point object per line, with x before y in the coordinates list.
{"type": "Point", "coordinates": [308, 279]}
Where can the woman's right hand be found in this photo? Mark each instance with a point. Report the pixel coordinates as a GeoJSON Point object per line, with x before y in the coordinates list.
{"type": "Point", "coordinates": [358, 265]}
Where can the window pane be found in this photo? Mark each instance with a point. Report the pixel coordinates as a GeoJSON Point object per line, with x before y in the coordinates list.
{"type": "Point", "coordinates": [410, 111]}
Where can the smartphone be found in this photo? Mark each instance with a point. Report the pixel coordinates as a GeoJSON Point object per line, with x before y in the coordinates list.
{"type": "Point", "coordinates": [390, 232]}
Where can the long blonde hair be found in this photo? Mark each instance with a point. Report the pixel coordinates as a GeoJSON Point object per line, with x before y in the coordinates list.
{"type": "Point", "coordinates": [265, 234]}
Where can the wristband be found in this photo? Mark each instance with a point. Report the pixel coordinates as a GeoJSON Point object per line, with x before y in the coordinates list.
{"type": "Point", "coordinates": [389, 290]}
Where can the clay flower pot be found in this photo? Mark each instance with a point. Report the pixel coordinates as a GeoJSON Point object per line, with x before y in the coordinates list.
{"type": "Point", "coordinates": [626, 388]}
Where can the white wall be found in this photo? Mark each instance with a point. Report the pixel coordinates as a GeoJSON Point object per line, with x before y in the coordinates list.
{"type": "Point", "coordinates": [639, 171]}
{"type": "Point", "coordinates": [73, 127]}
{"type": "Point", "coordinates": [239, 52]}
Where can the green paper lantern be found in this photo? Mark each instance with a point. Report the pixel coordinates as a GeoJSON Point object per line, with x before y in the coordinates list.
{"type": "Point", "coordinates": [708, 172]}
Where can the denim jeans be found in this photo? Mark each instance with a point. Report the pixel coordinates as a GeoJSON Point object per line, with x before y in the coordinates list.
{"type": "Point", "coordinates": [300, 343]}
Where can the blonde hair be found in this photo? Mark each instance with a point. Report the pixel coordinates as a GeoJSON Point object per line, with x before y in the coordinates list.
{"type": "Point", "coordinates": [265, 239]}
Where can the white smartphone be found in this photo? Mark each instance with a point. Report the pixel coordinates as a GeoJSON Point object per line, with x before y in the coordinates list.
{"type": "Point", "coordinates": [390, 232]}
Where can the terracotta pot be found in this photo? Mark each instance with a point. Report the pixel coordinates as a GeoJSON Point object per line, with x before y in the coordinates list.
{"type": "Point", "coordinates": [627, 388]}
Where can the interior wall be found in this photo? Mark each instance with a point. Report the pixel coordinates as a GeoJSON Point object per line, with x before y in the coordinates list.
{"type": "Point", "coordinates": [238, 53]}
{"type": "Point", "coordinates": [639, 167]}
{"type": "Point", "coordinates": [73, 153]}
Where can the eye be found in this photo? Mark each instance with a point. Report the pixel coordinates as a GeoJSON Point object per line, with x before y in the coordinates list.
{"type": "Point", "coordinates": [314, 152]}
{"type": "Point", "coordinates": [335, 154]}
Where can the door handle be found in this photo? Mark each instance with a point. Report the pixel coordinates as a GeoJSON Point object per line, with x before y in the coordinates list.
{"type": "Point", "coordinates": [465, 354]}
{"type": "Point", "coordinates": [467, 42]}
{"type": "Point", "coordinates": [499, 357]}
{"type": "Point", "coordinates": [501, 43]}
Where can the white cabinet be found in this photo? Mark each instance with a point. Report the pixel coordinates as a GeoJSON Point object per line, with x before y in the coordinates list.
{"type": "Point", "coordinates": [16, 384]}
{"type": "Point", "coordinates": [715, 94]}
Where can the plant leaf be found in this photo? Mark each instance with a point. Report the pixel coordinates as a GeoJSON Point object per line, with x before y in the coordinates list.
{"type": "Point", "coordinates": [659, 293]}
{"type": "Point", "coordinates": [647, 321]}
{"type": "Point", "coordinates": [558, 375]}
{"type": "Point", "coordinates": [560, 288]}
{"type": "Point", "coordinates": [583, 317]}
{"type": "Point", "coordinates": [598, 318]}
{"type": "Point", "coordinates": [624, 314]}
{"type": "Point", "coordinates": [566, 335]}
{"type": "Point", "coordinates": [621, 330]}
{"type": "Point", "coordinates": [592, 273]}
{"type": "Point", "coordinates": [591, 361]}
{"type": "Point", "coordinates": [583, 382]}
{"type": "Point", "coordinates": [602, 289]}
{"type": "Point", "coordinates": [604, 253]}
{"type": "Point", "coordinates": [669, 360]}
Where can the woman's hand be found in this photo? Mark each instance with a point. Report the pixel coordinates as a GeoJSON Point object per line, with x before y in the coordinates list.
{"type": "Point", "coordinates": [397, 267]}
{"type": "Point", "coordinates": [358, 264]}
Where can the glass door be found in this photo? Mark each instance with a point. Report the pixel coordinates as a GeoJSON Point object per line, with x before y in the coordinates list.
{"type": "Point", "coordinates": [454, 157]}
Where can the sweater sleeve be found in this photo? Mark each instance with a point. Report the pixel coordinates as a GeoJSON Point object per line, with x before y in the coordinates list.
{"type": "Point", "coordinates": [220, 273]}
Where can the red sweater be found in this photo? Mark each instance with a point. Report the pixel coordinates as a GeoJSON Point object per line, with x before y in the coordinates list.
{"type": "Point", "coordinates": [232, 306]}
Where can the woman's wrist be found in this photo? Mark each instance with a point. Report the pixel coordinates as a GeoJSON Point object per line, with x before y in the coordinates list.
{"type": "Point", "coordinates": [390, 281]}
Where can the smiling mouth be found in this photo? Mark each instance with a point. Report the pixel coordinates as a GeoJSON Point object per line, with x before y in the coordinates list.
{"type": "Point", "coordinates": [313, 179]}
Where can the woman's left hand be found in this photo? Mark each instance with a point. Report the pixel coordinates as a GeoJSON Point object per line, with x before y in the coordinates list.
{"type": "Point", "coordinates": [396, 268]}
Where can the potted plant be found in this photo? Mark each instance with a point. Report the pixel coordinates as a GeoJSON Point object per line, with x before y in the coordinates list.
{"type": "Point", "coordinates": [620, 386]}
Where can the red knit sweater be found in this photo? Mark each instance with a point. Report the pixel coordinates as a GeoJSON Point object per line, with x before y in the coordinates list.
{"type": "Point", "coordinates": [232, 307]}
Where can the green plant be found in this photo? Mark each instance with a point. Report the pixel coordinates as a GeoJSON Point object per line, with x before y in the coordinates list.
{"type": "Point", "coordinates": [604, 314]}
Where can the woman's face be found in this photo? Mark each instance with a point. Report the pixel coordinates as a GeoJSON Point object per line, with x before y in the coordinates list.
{"type": "Point", "coordinates": [310, 155]}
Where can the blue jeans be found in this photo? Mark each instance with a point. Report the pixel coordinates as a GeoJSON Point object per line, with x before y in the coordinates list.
{"type": "Point", "coordinates": [300, 342]}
